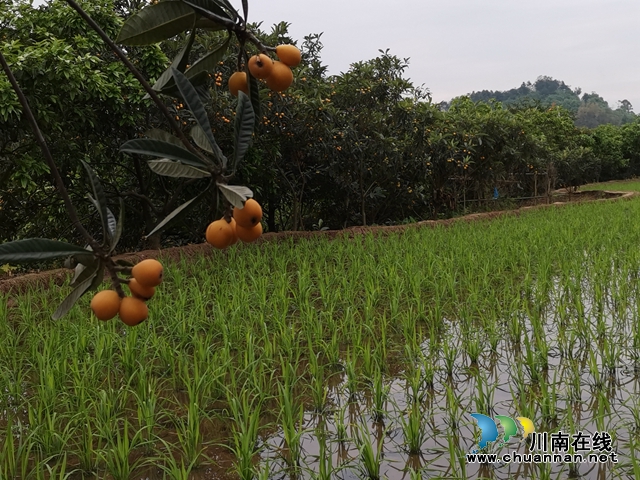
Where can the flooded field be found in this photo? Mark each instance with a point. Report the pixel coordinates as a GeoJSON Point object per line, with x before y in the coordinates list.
{"type": "Point", "coordinates": [347, 359]}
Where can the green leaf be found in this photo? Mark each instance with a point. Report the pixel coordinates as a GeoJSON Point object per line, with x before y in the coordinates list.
{"type": "Point", "coordinates": [245, 9]}
{"type": "Point", "coordinates": [180, 210]}
{"type": "Point", "coordinates": [97, 280]}
{"type": "Point", "coordinates": [254, 93]}
{"type": "Point", "coordinates": [210, 25]}
{"type": "Point", "coordinates": [211, 6]}
{"type": "Point", "coordinates": [196, 107]}
{"type": "Point", "coordinates": [73, 297]}
{"type": "Point", "coordinates": [156, 22]}
{"type": "Point", "coordinates": [159, 148]}
{"type": "Point", "coordinates": [180, 62]}
{"type": "Point", "coordinates": [208, 62]}
{"type": "Point", "coordinates": [100, 200]}
{"type": "Point", "coordinates": [236, 194]}
{"type": "Point", "coordinates": [158, 134]}
{"type": "Point", "coordinates": [201, 138]}
{"type": "Point", "coordinates": [111, 219]}
{"type": "Point", "coordinates": [82, 272]}
{"type": "Point", "coordinates": [231, 10]}
{"type": "Point", "coordinates": [35, 249]}
{"type": "Point", "coordinates": [243, 127]}
{"type": "Point", "coordinates": [119, 227]}
{"type": "Point", "coordinates": [169, 168]}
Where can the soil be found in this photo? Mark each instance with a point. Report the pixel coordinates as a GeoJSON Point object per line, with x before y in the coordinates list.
{"type": "Point", "coordinates": [18, 284]}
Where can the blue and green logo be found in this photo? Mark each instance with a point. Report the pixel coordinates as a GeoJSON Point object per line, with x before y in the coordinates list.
{"type": "Point", "coordinates": [489, 429]}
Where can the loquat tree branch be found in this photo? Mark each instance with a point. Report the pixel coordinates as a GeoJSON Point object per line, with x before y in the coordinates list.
{"type": "Point", "coordinates": [136, 73]}
{"type": "Point", "coordinates": [71, 210]}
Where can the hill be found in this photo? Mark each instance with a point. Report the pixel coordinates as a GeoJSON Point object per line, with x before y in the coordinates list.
{"type": "Point", "coordinates": [589, 109]}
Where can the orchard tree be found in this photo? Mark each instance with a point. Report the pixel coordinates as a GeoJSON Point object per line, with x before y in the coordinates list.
{"type": "Point", "coordinates": [176, 154]}
{"type": "Point", "coordinates": [86, 102]}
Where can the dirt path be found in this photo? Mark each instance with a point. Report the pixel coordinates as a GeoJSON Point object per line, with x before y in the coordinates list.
{"type": "Point", "coordinates": [20, 283]}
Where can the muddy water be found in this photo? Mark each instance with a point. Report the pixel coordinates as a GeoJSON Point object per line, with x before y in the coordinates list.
{"type": "Point", "coordinates": [579, 406]}
{"type": "Point", "coordinates": [567, 395]}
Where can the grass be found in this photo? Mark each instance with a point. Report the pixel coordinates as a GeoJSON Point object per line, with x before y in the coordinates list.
{"type": "Point", "coordinates": [534, 315]}
{"type": "Point", "coordinates": [632, 185]}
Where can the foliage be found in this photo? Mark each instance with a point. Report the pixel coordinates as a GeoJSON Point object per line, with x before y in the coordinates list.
{"type": "Point", "coordinates": [361, 147]}
{"type": "Point", "coordinates": [85, 101]}
{"type": "Point", "coordinates": [590, 110]}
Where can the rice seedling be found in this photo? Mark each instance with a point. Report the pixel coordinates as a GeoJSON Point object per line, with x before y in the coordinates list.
{"type": "Point", "coordinates": [370, 452]}
{"type": "Point", "coordinates": [188, 430]}
{"type": "Point", "coordinates": [326, 469]}
{"type": "Point", "coordinates": [117, 454]}
{"type": "Point", "coordinates": [292, 420]}
{"type": "Point", "coordinates": [246, 418]}
{"type": "Point", "coordinates": [414, 429]}
{"type": "Point", "coordinates": [379, 395]}
{"type": "Point", "coordinates": [534, 314]}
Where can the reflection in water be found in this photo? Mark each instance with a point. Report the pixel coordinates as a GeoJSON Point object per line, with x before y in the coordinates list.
{"type": "Point", "coordinates": [548, 373]}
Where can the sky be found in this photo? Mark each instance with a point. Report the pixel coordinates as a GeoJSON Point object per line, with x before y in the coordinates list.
{"type": "Point", "coordinates": [456, 47]}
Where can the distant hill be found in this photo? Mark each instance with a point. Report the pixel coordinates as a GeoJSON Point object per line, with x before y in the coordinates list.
{"type": "Point", "coordinates": [590, 109]}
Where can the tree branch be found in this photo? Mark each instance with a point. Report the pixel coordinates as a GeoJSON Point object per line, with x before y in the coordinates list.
{"type": "Point", "coordinates": [71, 210]}
{"type": "Point", "coordinates": [152, 93]}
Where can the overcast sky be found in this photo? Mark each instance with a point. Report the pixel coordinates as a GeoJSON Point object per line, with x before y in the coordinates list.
{"type": "Point", "coordinates": [459, 46]}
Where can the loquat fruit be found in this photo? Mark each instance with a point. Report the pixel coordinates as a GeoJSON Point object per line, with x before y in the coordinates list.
{"type": "Point", "coordinates": [140, 291]}
{"type": "Point", "coordinates": [281, 77]}
{"type": "Point", "coordinates": [260, 66]}
{"type": "Point", "coordinates": [238, 82]}
{"type": "Point", "coordinates": [148, 273]}
{"type": "Point", "coordinates": [220, 234]}
{"type": "Point", "coordinates": [248, 235]}
{"type": "Point", "coordinates": [133, 311]}
{"type": "Point", "coordinates": [234, 226]}
{"type": "Point", "coordinates": [289, 55]}
{"type": "Point", "coordinates": [105, 304]}
{"type": "Point", "coordinates": [248, 216]}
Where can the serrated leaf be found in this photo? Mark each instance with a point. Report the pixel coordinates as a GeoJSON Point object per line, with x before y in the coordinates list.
{"type": "Point", "coordinates": [36, 249]}
{"type": "Point", "coordinates": [180, 62]}
{"type": "Point", "coordinates": [208, 62]}
{"type": "Point", "coordinates": [157, 134]}
{"type": "Point", "coordinates": [236, 194]}
{"type": "Point", "coordinates": [162, 149]}
{"type": "Point", "coordinates": [200, 138]}
{"type": "Point", "coordinates": [100, 200]}
{"type": "Point", "coordinates": [196, 107]}
{"type": "Point", "coordinates": [156, 22]}
{"type": "Point", "coordinates": [243, 127]}
{"type": "Point", "coordinates": [119, 227]}
{"type": "Point", "coordinates": [73, 297]}
{"type": "Point", "coordinates": [180, 210]}
{"type": "Point", "coordinates": [169, 168]}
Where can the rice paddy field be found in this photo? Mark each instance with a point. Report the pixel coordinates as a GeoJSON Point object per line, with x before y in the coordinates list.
{"type": "Point", "coordinates": [354, 358]}
{"type": "Point", "coordinates": [620, 186]}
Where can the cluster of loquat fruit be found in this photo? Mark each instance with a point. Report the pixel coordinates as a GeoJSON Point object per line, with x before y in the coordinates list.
{"type": "Point", "coordinates": [243, 225]}
{"type": "Point", "coordinates": [277, 74]}
{"type": "Point", "coordinates": [145, 277]}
